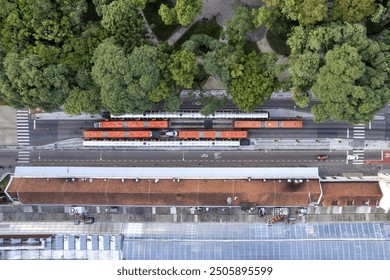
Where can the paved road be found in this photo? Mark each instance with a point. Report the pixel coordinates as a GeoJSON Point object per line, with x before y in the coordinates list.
{"type": "Point", "coordinates": [44, 132]}
{"type": "Point", "coordinates": [336, 164]}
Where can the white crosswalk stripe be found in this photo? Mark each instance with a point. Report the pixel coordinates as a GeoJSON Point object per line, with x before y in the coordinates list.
{"type": "Point", "coordinates": [22, 128]}
{"type": "Point", "coordinates": [24, 157]}
{"type": "Point", "coordinates": [359, 132]}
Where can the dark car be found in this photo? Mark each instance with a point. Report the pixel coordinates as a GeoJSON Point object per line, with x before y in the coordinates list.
{"type": "Point", "coordinates": [322, 157]}
{"type": "Point", "coordinates": [89, 220]}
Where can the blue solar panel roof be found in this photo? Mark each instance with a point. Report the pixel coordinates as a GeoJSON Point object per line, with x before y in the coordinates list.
{"type": "Point", "coordinates": [322, 241]}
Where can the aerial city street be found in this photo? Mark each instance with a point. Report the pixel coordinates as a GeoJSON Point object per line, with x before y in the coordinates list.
{"type": "Point", "coordinates": [124, 123]}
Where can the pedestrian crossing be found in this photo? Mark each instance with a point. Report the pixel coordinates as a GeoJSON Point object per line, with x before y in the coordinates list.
{"type": "Point", "coordinates": [22, 127]}
{"type": "Point", "coordinates": [359, 132]}
{"type": "Point", "coordinates": [24, 157]}
{"type": "Point", "coordinates": [23, 134]}
{"type": "Point", "coordinates": [360, 154]}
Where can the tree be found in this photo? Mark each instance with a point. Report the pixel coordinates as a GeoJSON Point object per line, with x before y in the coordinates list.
{"type": "Point", "coordinates": [184, 12]}
{"type": "Point", "coordinates": [265, 16]}
{"type": "Point", "coordinates": [172, 102]}
{"type": "Point", "coordinates": [29, 83]}
{"type": "Point", "coordinates": [124, 22]}
{"type": "Point", "coordinates": [187, 10]}
{"type": "Point", "coordinates": [313, 11]}
{"type": "Point", "coordinates": [131, 83]}
{"type": "Point", "coordinates": [141, 3]}
{"type": "Point", "coordinates": [198, 42]}
{"type": "Point", "coordinates": [304, 70]}
{"type": "Point", "coordinates": [257, 82]}
{"type": "Point", "coordinates": [183, 67]}
{"type": "Point", "coordinates": [108, 72]}
{"type": "Point", "coordinates": [77, 51]}
{"type": "Point", "coordinates": [306, 12]}
{"type": "Point", "coordinates": [343, 86]}
{"type": "Point", "coordinates": [212, 104]}
{"type": "Point", "coordinates": [225, 62]}
{"type": "Point", "coordinates": [168, 15]}
{"type": "Point", "coordinates": [82, 101]}
{"type": "Point", "coordinates": [27, 22]}
{"type": "Point", "coordinates": [342, 67]}
{"type": "Point", "coordinates": [352, 10]}
{"type": "Point", "coordinates": [239, 25]}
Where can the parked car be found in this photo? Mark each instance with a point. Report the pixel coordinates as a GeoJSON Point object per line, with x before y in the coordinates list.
{"type": "Point", "coordinates": [113, 209]}
{"type": "Point", "coordinates": [322, 157]}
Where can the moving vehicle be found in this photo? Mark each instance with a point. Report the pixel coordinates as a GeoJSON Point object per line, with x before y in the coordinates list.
{"type": "Point", "coordinates": [352, 157]}
{"type": "Point", "coordinates": [267, 124]}
{"type": "Point", "coordinates": [132, 124]}
{"type": "Point", "coordinates": [322, 157]}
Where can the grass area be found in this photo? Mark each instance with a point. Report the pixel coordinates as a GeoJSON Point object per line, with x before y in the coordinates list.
{"type": "Point", "coordinates": [162, 31]}
{"type": "Point", "coordinates": [210, 28]}
{"type": "Point", "coordinates": [4, 182]}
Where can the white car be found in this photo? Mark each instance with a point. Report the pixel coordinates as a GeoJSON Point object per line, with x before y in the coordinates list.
{"type": "Point", "coordinates": [173, 133]}
{"type": "Point", "coordinates": [352, 157]}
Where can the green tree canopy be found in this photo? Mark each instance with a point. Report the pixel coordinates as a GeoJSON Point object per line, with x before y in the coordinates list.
{"type": "Point", "coordinates": [184, 12]}
{"type": "Point", "coordinates": [239, 25]}
{"type": "Point", "coordinates": [346, 70]}
{"type": "Point", "coordinates": [212, 104]}
{"type": "Point", "coordinates": [352, 10]}
{"type": "Point", "coordinates": [124, 22]}
{"type": "Point", "coordinates": [28, 22]}
{"type": "Point", "coordinates": [183, 67]}
{"type": "Point", "coordinates": [306, 12]}
{"type": "Point", "coordinates": [226, 62]}
{"type": "Point", "coordinates": [133, 82]}
{"type": "Point", "coordinates": [257, 81]}
{"type": "Point", "coordinates": [29, 83]}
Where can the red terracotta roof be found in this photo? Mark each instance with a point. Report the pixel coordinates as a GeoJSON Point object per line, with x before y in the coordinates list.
{"type": "Point", "coordinates": [354, 193]}
{"type": "Point", "coordinates": [163, 192]}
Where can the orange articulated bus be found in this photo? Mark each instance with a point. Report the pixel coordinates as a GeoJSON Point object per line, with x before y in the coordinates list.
{"type": "Point", "coordinates": [210, 134]}
{"type": "Point", "coordinates": [120, 134]}
{"type": "Point", "coordinates": [247, 124]}
{"type": "Point", "coordinates": [268, 124]}
{"type": "Point", "coordinates": [132, 124]}
{"type": "Point", "coordinates": [292, 124]}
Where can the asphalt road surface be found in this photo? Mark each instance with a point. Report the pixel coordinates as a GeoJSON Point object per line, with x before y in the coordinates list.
{"type": "Point", "coordinates": [49, 131]}
{"type": "Point", "coordinates": [336, 163]}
